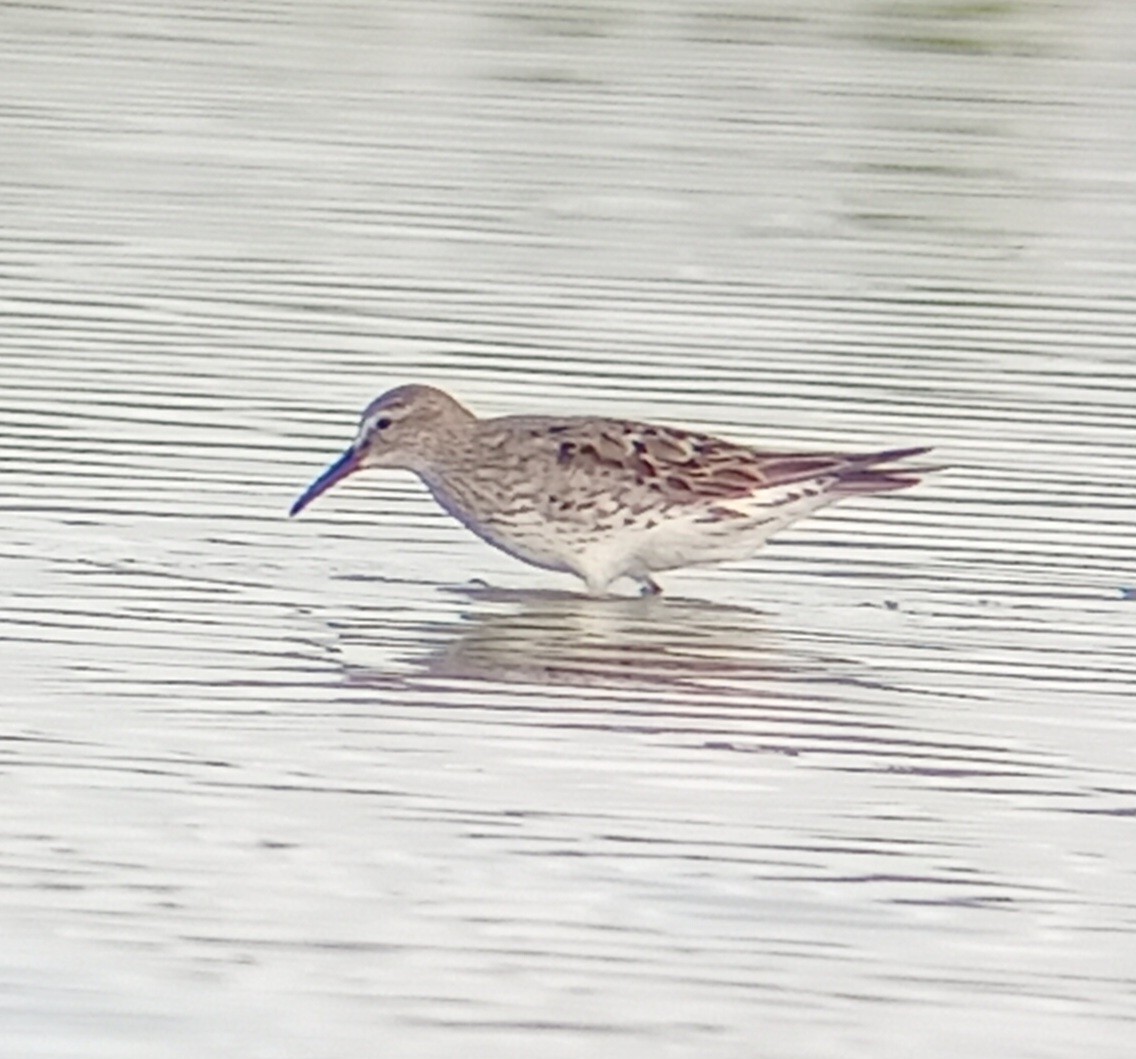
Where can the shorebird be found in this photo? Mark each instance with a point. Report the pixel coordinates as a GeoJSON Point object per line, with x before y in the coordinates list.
{"type": "Point", "coordinates": [602, 498]}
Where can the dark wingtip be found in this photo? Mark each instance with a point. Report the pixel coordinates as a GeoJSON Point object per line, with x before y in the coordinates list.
{"type": "Point", "coordinates": [865, 475]}
{"type": "Point", "coordinates": [891, 455]}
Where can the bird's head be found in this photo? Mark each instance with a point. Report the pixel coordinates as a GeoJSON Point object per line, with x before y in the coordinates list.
{"type": "Point", "coordinates": [404, 428]}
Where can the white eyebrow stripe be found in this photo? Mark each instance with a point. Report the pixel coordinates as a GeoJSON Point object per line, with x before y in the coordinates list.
{"type": "Point", "coordinates": [370, 424]}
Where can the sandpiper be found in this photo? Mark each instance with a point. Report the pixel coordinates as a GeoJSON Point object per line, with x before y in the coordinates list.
{"type": "Point", "coordinates": [602, 498]}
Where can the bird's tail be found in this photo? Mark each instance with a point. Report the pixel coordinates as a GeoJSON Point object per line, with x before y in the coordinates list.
{"type": "Point", "coordinates": [864, 474]}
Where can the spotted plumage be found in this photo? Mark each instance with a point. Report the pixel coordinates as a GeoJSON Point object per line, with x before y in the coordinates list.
{"type": "Point", "coordinates": [602, 498]}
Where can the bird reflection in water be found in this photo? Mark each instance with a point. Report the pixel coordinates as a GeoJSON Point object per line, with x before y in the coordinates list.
{"type": "Point", "coordinates": [563, 638]}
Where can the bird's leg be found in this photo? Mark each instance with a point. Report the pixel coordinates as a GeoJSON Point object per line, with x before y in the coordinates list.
{"type": "Point", "coordinates": [648, 586]}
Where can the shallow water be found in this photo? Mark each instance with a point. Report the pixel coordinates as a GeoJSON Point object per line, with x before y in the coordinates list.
{"type": "Point", "coordinates": [356, 784]}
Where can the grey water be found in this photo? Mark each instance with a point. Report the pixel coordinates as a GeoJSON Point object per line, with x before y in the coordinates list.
{"type": "Point", "coordinates": [358, 785]}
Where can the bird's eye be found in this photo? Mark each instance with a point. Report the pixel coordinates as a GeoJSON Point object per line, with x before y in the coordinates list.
{"type": "Point", "coordinates": [383, 423]}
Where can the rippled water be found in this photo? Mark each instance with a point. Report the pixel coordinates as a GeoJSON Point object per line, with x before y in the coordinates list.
{"type": "Point", "coordinates": [358, 785]}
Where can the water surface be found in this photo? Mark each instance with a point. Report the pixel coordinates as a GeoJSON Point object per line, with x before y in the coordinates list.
{"type": "Point", "coordinates": [356, 784]}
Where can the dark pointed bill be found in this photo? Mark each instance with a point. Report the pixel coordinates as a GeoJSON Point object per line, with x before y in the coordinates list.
{"type": "Point", "coordinates": [339, 470]}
